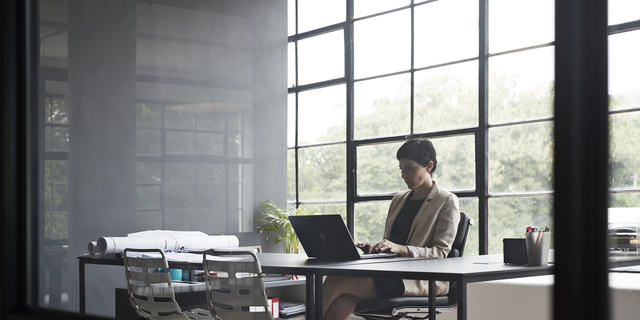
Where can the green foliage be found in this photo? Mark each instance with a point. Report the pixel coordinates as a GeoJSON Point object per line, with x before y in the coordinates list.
{"type": "Point", "coordinates": [275, 222]}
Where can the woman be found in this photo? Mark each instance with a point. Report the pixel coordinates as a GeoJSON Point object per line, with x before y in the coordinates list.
{"type": "Point", "coordinates": [422, 222]}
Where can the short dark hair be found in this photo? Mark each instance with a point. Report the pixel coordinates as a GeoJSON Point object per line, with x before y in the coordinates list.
{"type": "Point", "coordinates": [420, 151]}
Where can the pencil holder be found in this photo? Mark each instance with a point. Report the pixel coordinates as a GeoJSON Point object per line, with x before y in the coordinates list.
{"type": "Point", "coordinates": [538, 248]}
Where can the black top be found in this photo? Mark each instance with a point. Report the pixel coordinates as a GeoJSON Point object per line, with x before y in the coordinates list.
{"type": "Point", "coordinates": [402, 224]}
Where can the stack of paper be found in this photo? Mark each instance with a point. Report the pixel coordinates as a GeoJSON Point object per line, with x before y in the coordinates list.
{"type": "Point", "coordinates": [288, 309]}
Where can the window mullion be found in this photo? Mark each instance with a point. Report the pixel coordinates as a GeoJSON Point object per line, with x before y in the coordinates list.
{"type": "Point", "coordinates": [351, 162]}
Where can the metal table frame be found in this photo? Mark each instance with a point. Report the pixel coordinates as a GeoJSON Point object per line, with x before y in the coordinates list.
{"type": "Point", "coordinates": [463, 270]}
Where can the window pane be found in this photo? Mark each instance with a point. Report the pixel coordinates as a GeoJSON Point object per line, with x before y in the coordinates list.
{"type": "Point", "coordinates": [445, 31]}
{"type": "Point", "coordinates": [148, 220]}
{"type": "Point", "coordinates": [520, 85]}
{"type": "Point", "coordinates": [210, 143]}
{"type": "Point", "coordinates": [623, 11]}
{"type": "Point", "coordinates": [456, 163]}
{"type": "Point", "coordinates": [212, 121]}
{"type": "Point", "coordinates": [521, 157]}
{"type": "Point", "coordinates": [291, 120]}
{"type": "Point", "coordinates": [59, 197]}
{"type": "Point", "coordinates": [624, 200]}
{"type": "Point", "coordinates": [59, 139]}
{"type": "Point", "coordinates": [59, 111]}
{"type": "Point", "coordinates": [470, 206]}
{"type": "Point", "coordinates": [210, 172]}
{"type": "Point", "coordinates": [321, 58]}
{"type": "Point", "coordinates": [180, 142]}
{"type": "Point", "coordinates": [625, 154]}
{"type": "Point", "coordinates": [148, 197]}
{"type": "Point", "coordinates": [179, 196]}
{"type": "Point", "coordinates": [446, 97]}
{"type": "Point", "coordinates": [179, 172]}
{"type": "Point", "coordinates": [370, 218]}
{"type": "Point", "coordinates": [183, 220]}
{"type": "Point", "coordinates": [179, 120]}
{"type": "Point", "coordinates": [321, 115]}
{"type": "Point", "coordinates": [214, 221]}
{"type": "Point", "coordinates": [47, 109]}
{"type": "Point", "coordinates": [363, 8]}
{"type": "Point", "coordinates": [322, 172]}
{"type": "Point", "coordinates": [509, 217]}
{"type": "Point", "coordinates": [148, 142]}
{"type": "Point", "coordinates": [47, 138]}
{"type": "Point", "coordinates": [211, 196]}
{"type": "Point", "coordinates": [518, 24]}
{"type": "Point", "coordinates": [235, 147]}
{"type": "Point", "coordinates": [328, 208]}
{"type": "Point", "coordinates": [291, 175]}
{"type": "Point", "coordinates": [382, 44]}
{"type": "Point", "coordinates": [148, 172]}
{"type": "Point", "coordinates": [148, 115]}
{"type": "Point", "coordinates": [59, 226]}
{"type": "Point", "coordinates": [291, 72]}
{"type": "Point", "coordinates": [377, 169]}
{"type": "Point", "coordinates": [624, 68]}
{"type": "Point", "coordinates": [331, 208]}
{"type": "Point", "coordinates": [313, 14]}
{"type": "Point", "coordinates": [382, 106]}
{"type": "Point", "coordinates": [59, 170]}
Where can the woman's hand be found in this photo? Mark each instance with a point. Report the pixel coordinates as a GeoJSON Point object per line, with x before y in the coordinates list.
{"type": "Point", "coordinates": [366, 247]}
{"type": "Point", "coordinates": [388, 246]}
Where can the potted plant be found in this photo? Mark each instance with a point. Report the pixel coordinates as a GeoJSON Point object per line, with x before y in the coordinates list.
{"type": "Point", "coordinates": [275, 221]}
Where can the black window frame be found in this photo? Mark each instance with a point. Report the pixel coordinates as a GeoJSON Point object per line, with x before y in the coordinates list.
{"type": "Point", "coordinates": [480, 133]}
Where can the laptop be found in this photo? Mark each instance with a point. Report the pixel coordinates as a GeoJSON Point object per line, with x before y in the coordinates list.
{"type": "Point", "coordinates": [326, 238]}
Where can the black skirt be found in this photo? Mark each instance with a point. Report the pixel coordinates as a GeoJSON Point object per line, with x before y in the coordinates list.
{"type": "Point", "coordinates": [388, 287]}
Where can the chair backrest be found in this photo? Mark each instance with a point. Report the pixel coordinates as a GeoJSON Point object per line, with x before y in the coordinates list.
{"type": "Point", "coordinates": [149, 285]}
{"type": "Point", "coordinates": [457, 249]}
{"type": "Point", "coordinates": [235, 288]}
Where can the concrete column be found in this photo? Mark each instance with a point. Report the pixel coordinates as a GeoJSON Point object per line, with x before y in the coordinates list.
{"type": "Point", "coordinates": [102, 149]}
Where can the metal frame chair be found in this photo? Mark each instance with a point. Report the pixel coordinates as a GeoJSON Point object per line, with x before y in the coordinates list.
{"type": "Point", "coordinates": [235, 288]}
{"type": "Point", "coordinates": [149, 285]}
{"type": "Point", "coordinates": [418, 307]}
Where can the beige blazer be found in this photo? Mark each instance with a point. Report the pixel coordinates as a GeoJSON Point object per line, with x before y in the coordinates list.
{"type": "Point", "coordinates": [432, 232]}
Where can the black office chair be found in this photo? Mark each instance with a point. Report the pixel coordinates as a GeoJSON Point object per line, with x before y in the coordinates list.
{"type": "Point", "coordinates": [418, 307]}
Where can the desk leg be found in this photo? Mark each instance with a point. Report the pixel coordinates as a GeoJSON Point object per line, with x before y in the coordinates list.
{"type": "Point", "coordinates": [318, 296]}
{"type": "Point", "coordinates": [432, 300]}
{"type": "Point", "coordinates": [81, 278]}
{"type": "Point", "coordinates": [462, 300]}
{"type": "Point", "coordinates": [310, 291]}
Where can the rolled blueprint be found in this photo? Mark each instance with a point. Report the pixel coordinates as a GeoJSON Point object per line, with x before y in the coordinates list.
{"type": "Point", "coordinates": [112, 245]}
{"type": "Point", "coordinates": [92, 246]}
{"type": "Point", "coordinates": [204, 243]}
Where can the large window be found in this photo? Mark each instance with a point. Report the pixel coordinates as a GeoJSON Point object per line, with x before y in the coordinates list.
{"type": "Point", "coordinates": [474, 77]}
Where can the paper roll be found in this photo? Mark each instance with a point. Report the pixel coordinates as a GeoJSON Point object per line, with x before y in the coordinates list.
{"type": "Point", "coordinates": [205, 243]}
{"type": "Point", "coordinates": [112, 245]}
{"type": "Point", "coordinates": [92, 246]}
